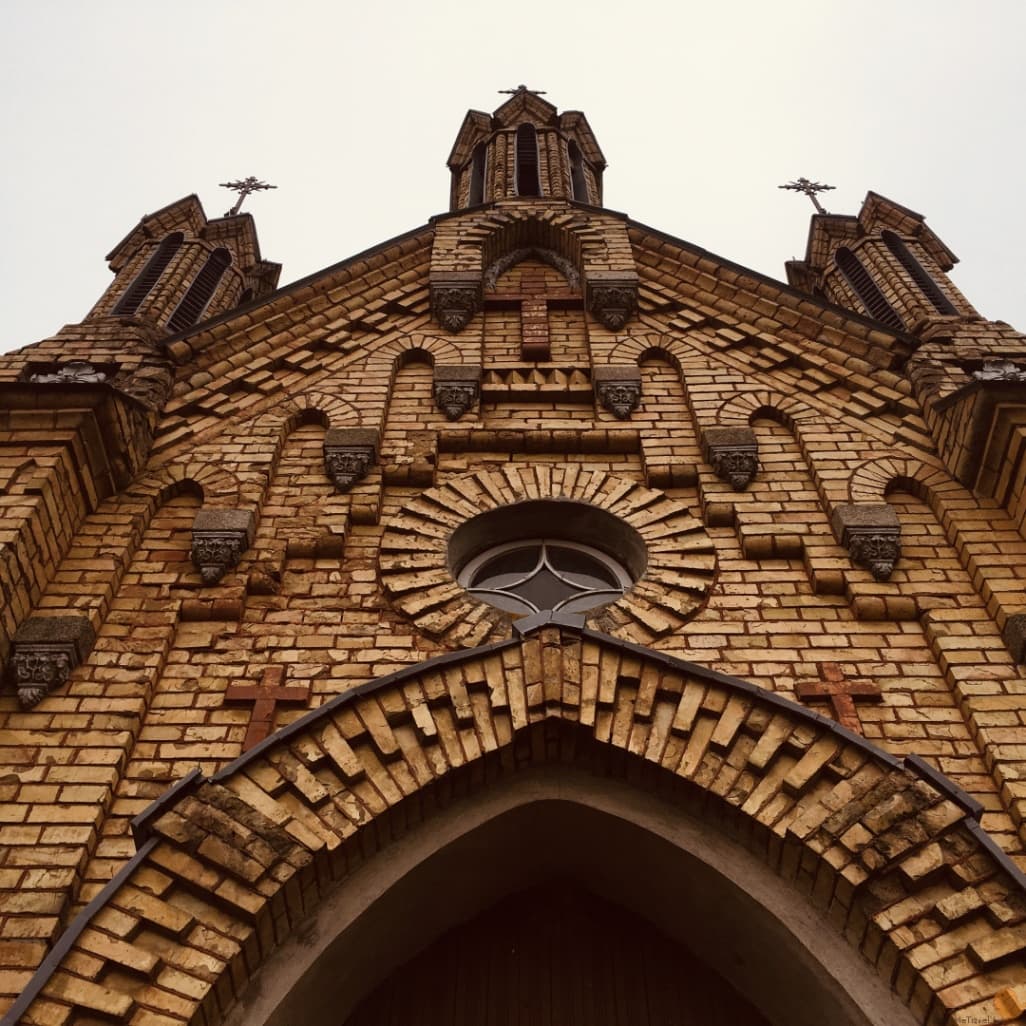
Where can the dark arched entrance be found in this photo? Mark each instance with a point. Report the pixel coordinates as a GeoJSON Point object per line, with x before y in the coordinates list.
{"type": "Point", "coordinates": [555, 955]}
{"type": "Point", "coordinates": [713, 907]}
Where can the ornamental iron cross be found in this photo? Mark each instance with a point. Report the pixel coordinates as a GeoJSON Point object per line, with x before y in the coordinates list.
{"type": "Point", "coordinates": [244, 186]}
{"type": "Point", "coordinates": [810, 189]}
{"type": "Point", "coordinates": [523, 89]}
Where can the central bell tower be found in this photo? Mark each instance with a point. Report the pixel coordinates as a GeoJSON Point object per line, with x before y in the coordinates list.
{"type": "Point", "coordinates": [525, 149]}
{"type": "Point", "coordinates": [519, 179]}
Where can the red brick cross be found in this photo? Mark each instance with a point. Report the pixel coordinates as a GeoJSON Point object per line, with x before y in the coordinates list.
{"type": "Point", "coordinates": [840, 693]}
{"type": "Point", "coordinates": [265, 697]}
{"type": "Point", "coordinates": [534, 301]}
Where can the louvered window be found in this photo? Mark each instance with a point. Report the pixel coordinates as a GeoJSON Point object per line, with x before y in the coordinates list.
{"type": "Point", "coordinates": [149, 275]}
{"type": "Point", "coordinates": [926, 284]}
{"type": "Point", "coordinates": [527, 162]}
{"type": "Point", "coordinates": [195, 300]}
{"type": "Point", "coordinates": [865, 288]}
{"type": "Point", "coordinates": [477, 175]}
{"type": "Point", "coordinates": [578, 179]}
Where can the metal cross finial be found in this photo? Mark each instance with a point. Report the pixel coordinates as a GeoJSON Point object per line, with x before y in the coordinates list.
{"type": "Point", "coordinates": [523, 89]}
{"type": "Point", "coordinates": [244, 186]}
{"type": "Point", "coordinates": [810, 189]}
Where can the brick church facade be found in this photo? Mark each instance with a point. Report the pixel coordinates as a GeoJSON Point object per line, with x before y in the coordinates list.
{"type": "Point", "coordinates": [535, 618]}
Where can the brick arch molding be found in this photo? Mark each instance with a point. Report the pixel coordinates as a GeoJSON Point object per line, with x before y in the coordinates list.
{"type": "Point", "coordinates": [886, 854]}
{"type": "Point", "coordinates": [413, 559]}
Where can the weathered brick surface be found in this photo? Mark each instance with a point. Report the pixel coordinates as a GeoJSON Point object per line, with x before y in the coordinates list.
{"type": "Point", "coordinates": [880, 850]}
{"type": "Point", "coordinates": [337, 590]}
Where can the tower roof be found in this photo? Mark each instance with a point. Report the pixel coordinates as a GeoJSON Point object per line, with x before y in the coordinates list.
{"type": "Point", "coordinates": [524, 106]}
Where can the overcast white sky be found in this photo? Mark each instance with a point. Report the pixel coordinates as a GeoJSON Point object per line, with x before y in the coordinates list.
{"type": "Point", "coordinates": [113, 108]}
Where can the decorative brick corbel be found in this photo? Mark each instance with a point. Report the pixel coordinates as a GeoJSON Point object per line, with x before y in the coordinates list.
{"type": "Point", "coordinates": [457, 387]}
{"type": "Point", "coordinates": [45, 651]}
{"type": "Point", "coordinates": [455, 298]}
{"type": "Point", "coordinates": [348, 454]}
{"type": "Point", "coordinates": [618, 389]}
{"type": "Point", "coordinates": [612, 297]}
{"type": "Point", "coordinates": [219, 538]}
{"type": "Point", "coordinates": [733, 452]}
{"type": "Point", "coordinates": [871, 533]}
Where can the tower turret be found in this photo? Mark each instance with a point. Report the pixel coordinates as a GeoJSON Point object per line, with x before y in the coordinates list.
{"type": "Point", "coordinates": [176, 268]}
{"type": "Point", "coordinates": [968, 373]}
{"type": "Point", "coordinates": [525, 149]}
{"type": "Point", "coordinates": [884, 263]}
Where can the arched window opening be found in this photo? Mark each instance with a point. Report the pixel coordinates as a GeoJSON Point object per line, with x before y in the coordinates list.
{"type": "Point", "coordinates": [528, 183]}
{"type": "Point", "coordinates": [149, 275]}
{"type": "Point", "coordinates": [578, 178]}
{"type": "Point", "coordinates": [544, 573]}
{"type": "Point", "coordinates": [200, 291]}
{"type": "Point", "coordinates": [919, 274]}
{"type": "Point", "coordinates": [477, 175]}
{"type": "Point", "coordinates": [865, 288]}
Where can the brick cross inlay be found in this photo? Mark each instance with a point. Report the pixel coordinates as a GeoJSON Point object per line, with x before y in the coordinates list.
{"type": "Point", "coordinates": [841, 693]}
{"type": "Point", "coordinates": [265, 697]}
{"type": "Point", "coordinates": [535, 300]}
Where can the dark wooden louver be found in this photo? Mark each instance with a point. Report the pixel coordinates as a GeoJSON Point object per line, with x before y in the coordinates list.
{"type": "Point", "coordinates": [477, 175]}
{"type": "Point", "coordinates": [578, 179]}
{"type": "Point", "coordinates": [926, 284]}
{"type": "Point", "coordinates": [865, 288]}
{"type": "Point", "coordinates": [200, 291]}
{"type": "Point", "coordinates": [527, 162]}
{"type": "Point", "coordinates": [149, 275]}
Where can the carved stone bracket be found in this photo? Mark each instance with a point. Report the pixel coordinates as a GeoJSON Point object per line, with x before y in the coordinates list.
{"type": "Point", "coordinates": [872, 535]}
{"type": "Point", "coordinates": [45, 651]}
{"type": "Point", "coordinates": [618, 389]}
{"type": "Point", "coordinates": [612, 297]}
{"type": "Point", "coordinates": [219, 538]}
{"type": "Point", "coordinates": [1001, 370]}
{"type": "Point", "coordinates": [77, 372]}
{"type": "Point", "coordinates": [733, 452]}
{"type": "Point", "coordinates": [1014, 636]}
{"type": "Point", "coordinates": [348, 454]}
{"type": "Point", "coordinates": [457, 387]}
{"type": "Point", "coordinates": [455, 298]}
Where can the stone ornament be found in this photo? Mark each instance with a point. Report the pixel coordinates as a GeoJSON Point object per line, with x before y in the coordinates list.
{"type": "Point", "coordinates": [872, 535]}
{"type": "Point", "coordinates": [546, 256]}
{"type": "Point", "coordinates": [78, 372]}
{"type": "Point", "coordinates": [877, 551]}
{"type": "Point", "coordinates": [457, 387]}
{"type": "Point", "coordinates": [219, 538]}
{"type": "Point", "coordinates": [733, 453]}
{"type": "Point", "coordinates": [45, 651]}
{"type": "Point", "coordinates": [612, 297]}
{"type": "Point", "coordinates": [348, 454]}
{"type": "Point", "coordinates": [618, 389]}
{"type": "Point", "coordinates": [1000, 370]}
{"type": "Point", "coordinates": [455, 299]}
{"type": "Point", "coordinates": [1014, 636]}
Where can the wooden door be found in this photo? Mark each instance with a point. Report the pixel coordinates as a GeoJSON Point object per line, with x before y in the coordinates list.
{"type": "Point", "coordinates": [555, 956]}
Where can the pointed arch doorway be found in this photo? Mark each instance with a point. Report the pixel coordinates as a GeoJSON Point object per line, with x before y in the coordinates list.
{"type": "Point", "coordinates": [564, 897]}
